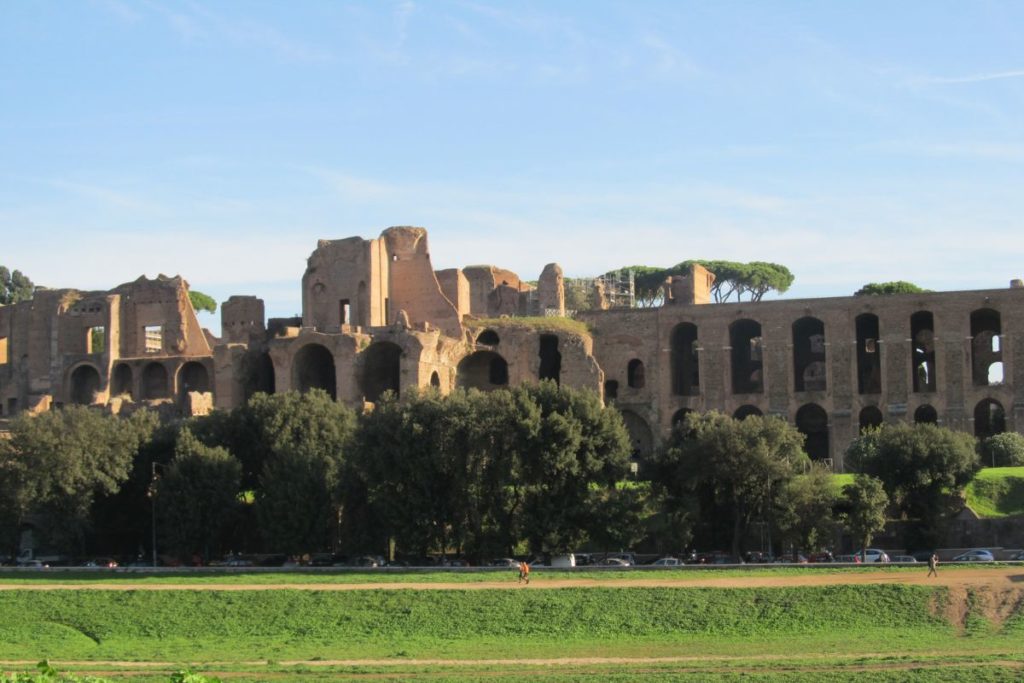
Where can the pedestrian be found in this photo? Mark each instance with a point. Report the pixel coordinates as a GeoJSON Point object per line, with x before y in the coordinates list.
{"type": "Point", "coordinates": [933, 562]}
{"type": "Point", "coordinates": [524, 572]}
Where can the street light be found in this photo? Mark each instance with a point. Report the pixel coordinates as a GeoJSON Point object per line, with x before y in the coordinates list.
{"type": "Point", "coordinates": [151, 492]}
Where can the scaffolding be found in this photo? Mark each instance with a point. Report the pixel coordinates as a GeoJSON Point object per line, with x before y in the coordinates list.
{"type": "Point", "coordinates": [618, 290]}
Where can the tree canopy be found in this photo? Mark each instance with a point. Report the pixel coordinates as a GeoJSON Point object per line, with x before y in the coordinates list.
{"type": "Point", "coordinates": [885, 288]}
{"type": "Point", "coordinates": [14, 286]}
{"type": "Point", "coordinates": [729, 462]}
{"type": "Point", "coordinates": [863, 508]}
{"type": "Point", "coordinates": [732, 279]}
{"type": "Point", "coordinates": [1002, 450]}
{"type": "Point", "coordinates": [202, 302]}
{"type": "Point", "coordinates": [920, 466]}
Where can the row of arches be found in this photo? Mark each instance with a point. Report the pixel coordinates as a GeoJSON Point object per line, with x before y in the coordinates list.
{"type": "Point", "coordinates": [85, 381]}
{"type": "Point", "coordinates": [809, 350]}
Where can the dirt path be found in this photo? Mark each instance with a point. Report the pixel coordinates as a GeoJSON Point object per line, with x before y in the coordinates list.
{"type": "Point", "coordinates": [991, 577]}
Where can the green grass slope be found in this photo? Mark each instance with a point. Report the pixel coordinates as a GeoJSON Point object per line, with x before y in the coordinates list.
{"type": "Point", "coordinates": [997, 492]}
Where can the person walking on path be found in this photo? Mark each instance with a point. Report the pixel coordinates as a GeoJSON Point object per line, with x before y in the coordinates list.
{"type": "Point", "coordinates": [524, 572]}
{"type": "Point", "coordinates": [933, 563]}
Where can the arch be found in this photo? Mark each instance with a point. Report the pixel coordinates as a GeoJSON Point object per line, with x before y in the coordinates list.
{"type": "Point", "coordinates": [122, 380]}
{"type": "Point", "coordinates": [684, 364]}
{"type": "Point", "coordinates": [746, 357]}
{"type": "Point", "coordinates": [680, 415]}
{"type": "Point", "coordinates": [381, 370]}
{"type": "Point", "coordinates": [809, 354]}
{"type": "Point", "coordinates": [926, 414]}
{"type": "Point", "coordinates": [870, 417]}
{"type": "Point", "coordinates": [986, 347]}
{"type": "Point", "coordinates": [611, 389]}
{"type": "Point", "coordinates": [812, 422]}
{"type": "Point", "coordinates": [484, 370]}
{"type": "Point", "coordinates": [869, 354]}
{"type": "Point", "coordinates": [154, 381]}
{"type": "Point", "coordinates": [488, 338]}
{"type": "Point", "coordinates": [435, 380]}
{"type": "Point", "coordinates": [313, 368]}
{"type": "Point", "coordinates": [745, 411]}
{"type": "Point", "coordinates": [85, 383]}
{"type": "Point", "coordinates": [989, 418]}
{"type": "Point", "coordinates": [641, 439]}
{"type": "Point", "coordinates": [922, 350]}
{"type": "Point", "coordinates": [995, 373]}
{"type": "Point", "coordinates": [635, 374]}
{"type": "Point", "coordinates": [259, 374]}
{"type": "Point", "coordinates": [550, 358]}
{"type": "Point", "coordinates": [193, 376]}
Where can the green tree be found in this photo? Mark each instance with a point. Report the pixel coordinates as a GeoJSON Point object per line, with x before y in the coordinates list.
{"type": "Point", "coordinates": [305, 439]}
{"type": "Point", "coordinates": [1002, 450]}
{"type": "Point", "coordinates": [863, 508]}
{"type": "Point", "coordinates": [732, 279]}
{"type": "Point", "coordinates": [922, 467]}
{"type": "Point", "coordinates": [202, 302]}
{"type": "Point", "coordinates": [58, 462]}
{"type": "Point", "coordinates": [733, 463]}
{"type": "Point", "coordinates": [803, 509]}
{"type": "Point", "coordinates": [197, 495]}
{"type": "Point", "coordinates": [14, 287]}
{"type": "Point", "coordinates": [885, 288]}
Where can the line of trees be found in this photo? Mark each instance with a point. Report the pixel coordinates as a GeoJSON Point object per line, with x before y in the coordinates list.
{"type": "Point", "coordinates": [533, 469]}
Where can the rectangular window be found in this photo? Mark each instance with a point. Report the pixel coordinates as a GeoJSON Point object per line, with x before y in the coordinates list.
{"type": "Point", "coordinates": [3, 350]}
{"type": "Point", "coordinates": [96, 340]}
{"type": "Point", "coordinates": [154, 335]}
{"type": "Point", "coordinates": [344, 312]}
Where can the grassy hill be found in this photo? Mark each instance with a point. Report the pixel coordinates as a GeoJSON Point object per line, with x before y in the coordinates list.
{"type": "Point", "coordinates": [997, 492]}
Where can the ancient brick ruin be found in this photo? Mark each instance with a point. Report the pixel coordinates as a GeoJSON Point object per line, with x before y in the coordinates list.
{"type": "Point", "coordinates": [377, 317]}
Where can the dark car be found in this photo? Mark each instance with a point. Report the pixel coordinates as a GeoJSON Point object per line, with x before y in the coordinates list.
{"type": "Point", "coordinates": [273, 560]}
{"type": "Point", "coordinates": [824, 556]}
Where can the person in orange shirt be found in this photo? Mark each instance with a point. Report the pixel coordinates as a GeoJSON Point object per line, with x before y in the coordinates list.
{"type": "Point", "coordinates": [524, 572]}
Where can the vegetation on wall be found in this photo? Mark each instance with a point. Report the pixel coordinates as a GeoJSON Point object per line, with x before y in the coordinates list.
{"type": "Point", "coordinates": [14, 286]}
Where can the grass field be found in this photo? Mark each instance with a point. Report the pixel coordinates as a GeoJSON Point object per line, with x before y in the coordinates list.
{"type": "Point", "coordinates": [891, 631]}
{"type": "Point", "coordinates": [997, 492]}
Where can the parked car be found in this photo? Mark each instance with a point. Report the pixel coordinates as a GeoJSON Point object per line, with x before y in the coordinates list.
{"type": "Point", "coordinates": [976, 555]}
{"type": "Point", "coordinates": [615, 562]}
{"type": "Point", "coordinates": [872, 555]}
{"type": "Point", "coordinates": [790, 558]}
{"type": "Point", "coordinates": [902, 558]}
{"type": "Point", "coordinates": [851, 559]}
{"type": "Point", "coordinates": [758, 557]}
{"type": "Point", "coordinates": [824, 556]}
{"type": "Point", "coordinates": [237, 561]}
{"type": "Point", "coordinates": [1019, 556]}
{"type": "Point", "coordinates": [105, 562]}
{"type": "Point", "coordinates": [668, 562]}
{"type": "Point", "coordinates": [505, 562]}
{"type": "Point", "coordinates": [33, 564]}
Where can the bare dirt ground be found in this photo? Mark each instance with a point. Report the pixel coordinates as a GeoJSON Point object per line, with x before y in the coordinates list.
{"type": "Point", "coordinates": [993, 578]}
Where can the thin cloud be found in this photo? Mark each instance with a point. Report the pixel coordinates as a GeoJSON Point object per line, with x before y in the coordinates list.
{"type": "Point", "coordinates": [971, 78]}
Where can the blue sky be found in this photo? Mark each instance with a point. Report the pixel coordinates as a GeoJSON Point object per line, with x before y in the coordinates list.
{"type": "Point", "coordinates": [853, 142]}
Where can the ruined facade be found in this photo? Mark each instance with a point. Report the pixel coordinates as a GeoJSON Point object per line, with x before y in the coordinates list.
{"type": "Point", "coordinates": [376, 317]}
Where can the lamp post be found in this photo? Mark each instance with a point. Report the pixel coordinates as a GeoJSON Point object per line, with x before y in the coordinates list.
{"type": "Point", "coordinates": [152, 497]}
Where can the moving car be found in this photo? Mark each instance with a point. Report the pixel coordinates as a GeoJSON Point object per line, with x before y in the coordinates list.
{"type": "Point", "coordinates": [668, 562]}
{"type": "Point", "coordinates": [872, 555]}
{"type": "Point", "coordinates": [976, 555]}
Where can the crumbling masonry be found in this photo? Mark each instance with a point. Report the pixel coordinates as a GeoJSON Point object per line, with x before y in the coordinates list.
{"type": "Point", "coordinates": [377, 317]}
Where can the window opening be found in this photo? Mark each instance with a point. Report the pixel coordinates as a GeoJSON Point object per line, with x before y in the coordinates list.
{"type": "Point", "coordinates": [96, 340]}
{"type": "Point", "coordinates": [154, 338]}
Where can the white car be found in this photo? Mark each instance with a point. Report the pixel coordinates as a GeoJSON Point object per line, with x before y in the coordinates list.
{"type": "Point", "coordinates": [668, 562]}
{"type": "Point", "coordinates": [977, 555]}
{"type": "Point", "coordinates": [872, 555]}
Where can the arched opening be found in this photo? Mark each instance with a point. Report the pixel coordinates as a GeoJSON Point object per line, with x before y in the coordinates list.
{"type": "Point", "coordinates": [986, 347]}
{"type": "Point", "coordinates": [926, 414]}
{"type": "Point", "coordinates": [635, 375]}
{"type": "Point", "coordinates": [483, 370]}
{"type": "Point", "coordinates": [362, 304]}
{"type": "Point", "coordinates": [989, 418]}
{"type": "Point", "coordinates": [435, 380]}
{"type": "Point", "coordinates": [85, 382]}
{"type": "Point", "coordinates": [869, 355]}
{"type": "Point", "coordinates": [641, 439]}
{"type": "Point", "coordinates": [685, 367]}
{"type": "Point", "coordinates": [154, 382]}
{"type": "Point", "coordinates": [995, 373]}
{"type": "Point", "coordinates": [122, 380]}
{"type": "Point", "coordinates": [812, 422]}
{"type": "Point", "coordinates": [550, 358]}
{"type": "Point", "coordinates": [488, 338]}
{"type": "Point", "coordinates": [870, 418]}
{"type": "Point", "coordinates": [258, 374]}
{"type": "Point", "coordinates": [679, 416]}
{"type": "Point", "coordinates": [745, 411]}
{"type": "Point", "coordinates": [193, 377]}
{"type": "Point", "coordinates": [809, 354]}
{"type": "Point", "coordinates": [745, 339]}
{"type": "Point", "coordinates": [611, 390]}
{"type": "Point", "coordinates": [313, 368]}
{"type": "Point", "coordinates": [922, 345]}
{"type": "Point", "coordinates": [382, 370]}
